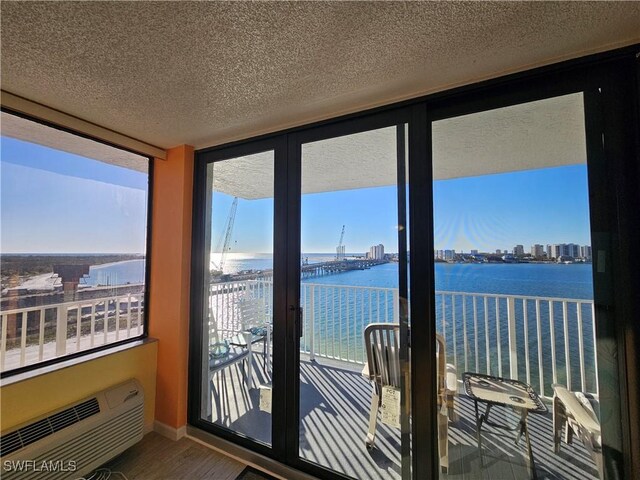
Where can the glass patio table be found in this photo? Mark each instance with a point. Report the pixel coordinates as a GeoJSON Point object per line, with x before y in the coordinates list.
{"type": "Point", "coordinates": [498, 391]}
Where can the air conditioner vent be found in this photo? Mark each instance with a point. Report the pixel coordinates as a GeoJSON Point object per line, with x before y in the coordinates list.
{"type": "Point", "coordinates": [42, 428]}
{"type": "Point", "coordinates": [10, 443]}
{"type": "Point", "coordinates": [87, 409]}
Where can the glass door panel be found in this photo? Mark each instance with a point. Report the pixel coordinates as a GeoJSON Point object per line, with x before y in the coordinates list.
{"type": "Point", "coordinates": [354, 374]}
{"type": "Point", "coordinates": [514, 293]}
{"type": "Point", "coordinates": [239, 232]}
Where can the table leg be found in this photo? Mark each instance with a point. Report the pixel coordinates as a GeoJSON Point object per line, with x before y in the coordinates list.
{"type": "Point", "coordinates": [480, 419]}
{"type": "Point", "coordinates": [524, 428]}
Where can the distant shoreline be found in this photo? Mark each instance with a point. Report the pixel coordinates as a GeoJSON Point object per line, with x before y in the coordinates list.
{"type": "Point", "coordinates": [18, 267]}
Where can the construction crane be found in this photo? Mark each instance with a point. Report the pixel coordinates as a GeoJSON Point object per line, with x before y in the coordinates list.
{"type": "Point", "coordinates": [228, 230]}
{"type": "Point", "coordinates": [340, 248]}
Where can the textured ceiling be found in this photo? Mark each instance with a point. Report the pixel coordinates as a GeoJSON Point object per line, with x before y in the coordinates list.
{"type": "Point", "coordinates": [542, 134]}
{"type": "Point", "coordinates": [202, 73]}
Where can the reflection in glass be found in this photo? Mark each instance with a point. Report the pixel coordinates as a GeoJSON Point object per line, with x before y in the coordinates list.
{"type": "Point", "coordinates": [239, 295]}
{"type": "Point", "coordinates": [514, 292]}
{"type": "Point", "coordinates": [351, 412]}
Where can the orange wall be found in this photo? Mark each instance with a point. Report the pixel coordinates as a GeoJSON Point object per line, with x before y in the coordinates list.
{"type": "Point", "coordinates": [169, 283]}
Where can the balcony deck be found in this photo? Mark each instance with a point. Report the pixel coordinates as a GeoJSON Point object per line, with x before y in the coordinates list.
{"type": "Point", "coordinates": [334, 412]}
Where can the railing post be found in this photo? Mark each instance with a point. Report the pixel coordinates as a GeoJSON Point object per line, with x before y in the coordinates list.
{"type": "Point", "coordinates": [513, 344]}
{"type": "Point", "coordinates": [396, 306]}
{"type": "Point", "coordinates": [61, 331]}
{"type": "Point", "coordinates": [311, 316]}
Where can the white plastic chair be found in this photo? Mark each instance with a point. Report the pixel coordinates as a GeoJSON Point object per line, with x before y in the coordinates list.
{"type": "Point", "coordinates": [383, 366]}
{"type": "Point", "coordinates": [575, 411]}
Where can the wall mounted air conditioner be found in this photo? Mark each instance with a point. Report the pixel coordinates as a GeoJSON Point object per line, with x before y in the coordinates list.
{"type": "Point", "coordinates": [70, 442]}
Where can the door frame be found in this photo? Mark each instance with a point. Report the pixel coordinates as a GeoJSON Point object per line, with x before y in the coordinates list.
{"type": "Point", "coordinates": [277, 144]}
{"type": "Point", "coordinates": [350, 126]}
{"type": "Point", "coordinates": [613, 210]}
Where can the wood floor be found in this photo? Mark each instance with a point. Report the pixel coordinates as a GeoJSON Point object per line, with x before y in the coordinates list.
{"type": "Point", "coordinates": [158, 458]}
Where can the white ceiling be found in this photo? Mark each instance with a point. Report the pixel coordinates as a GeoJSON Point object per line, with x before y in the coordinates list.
{"type": "Point", "coordinates": [203, 73]}
{"type": "Point", "coordinates": [28, 131]}
{"type": "Point", "coordinates": [542, 134]}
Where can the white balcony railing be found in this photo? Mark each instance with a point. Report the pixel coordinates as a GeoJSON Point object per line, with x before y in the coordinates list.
{"type": "Point", "coordinates": [34, 334]}
{"type": "Point", "coordinates": [540, 340]}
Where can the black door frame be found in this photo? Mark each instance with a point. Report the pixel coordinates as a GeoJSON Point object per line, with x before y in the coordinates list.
{"type": "Point", "coordinates": [614, 175]}
{"type": "Point", "coordinates": [350, 126]}
{"type": "Point", "coordinates": [608, 156]}
{"type": "Point", "coordinates": [277, 144]}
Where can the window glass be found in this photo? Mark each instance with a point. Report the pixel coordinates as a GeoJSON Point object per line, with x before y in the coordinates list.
{"type": "Point", "coordinates": [73, 243]}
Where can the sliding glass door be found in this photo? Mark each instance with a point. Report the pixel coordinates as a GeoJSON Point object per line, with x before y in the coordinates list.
{"type": "Point", "coordinates": [238, 320]}
{"type": "Point", "coordinates": [417, 292]}
{"type": "Point", "coordinates": [522, 391]}
{"type": "Point", "coordinates": [354, 381]}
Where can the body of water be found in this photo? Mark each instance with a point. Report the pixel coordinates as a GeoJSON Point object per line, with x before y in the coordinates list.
{"type": "Point", "coordinates": [341, 311]}
{"type": "Point", "coordinates": [534, 279]}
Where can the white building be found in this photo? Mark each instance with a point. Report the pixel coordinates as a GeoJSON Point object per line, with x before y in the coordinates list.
{"type": "Point", "coordinates": [585, 252]}
{"type": "Point", "coordinates": [376, 252]}
{"type": "Point", "coordinates": [449, 254]}
{"type": "Point", "coordinates": [537, 250]}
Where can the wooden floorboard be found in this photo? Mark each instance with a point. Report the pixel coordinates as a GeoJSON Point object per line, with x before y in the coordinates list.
{"type": "Point", "coordinates": [158, 458]}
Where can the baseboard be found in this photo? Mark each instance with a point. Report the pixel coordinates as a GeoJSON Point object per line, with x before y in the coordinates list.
{"type": "Point", "coordinates": [148, 428]}
{"type": "Point", "coordinates": [169, 432]}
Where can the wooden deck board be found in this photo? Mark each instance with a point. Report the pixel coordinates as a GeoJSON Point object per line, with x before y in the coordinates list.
{"type": "Point", "coordinates": [334, 420]}
{"type": "Point", "coordinates": [334, 414]}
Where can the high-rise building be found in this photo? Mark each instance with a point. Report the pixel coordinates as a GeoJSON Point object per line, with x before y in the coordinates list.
{"type": "Point", "coordinates": [498, 252]}
{"type": "Point", "coordinates": [555, 250]}
{"type": "Point", "coordinates": [474, 252]}
{"type": "Point", "coordinates": [376, 252]}
{"type": "Point", "coordinates": [537, 250]}
{"type": "Point", "coordinates": [518, 250]}
{"type": "Point", "coordinates": [449, 254]}
{"type": "Point", "coordinates": [564, 250]}
{"type": "Point", "coordinates": [585, 252]}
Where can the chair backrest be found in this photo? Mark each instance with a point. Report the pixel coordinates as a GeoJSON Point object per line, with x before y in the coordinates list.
{"type": "Point", "coordinates": [382, 342]}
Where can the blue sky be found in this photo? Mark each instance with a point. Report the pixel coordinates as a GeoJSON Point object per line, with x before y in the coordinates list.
{"type": "Point", "coordinates": [56, 202]}
{"type": "Point", "coordinates": [485, 213]}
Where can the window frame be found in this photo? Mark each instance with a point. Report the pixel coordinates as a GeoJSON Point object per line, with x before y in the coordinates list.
{"type": "Point", "coordinates": [147, 273]}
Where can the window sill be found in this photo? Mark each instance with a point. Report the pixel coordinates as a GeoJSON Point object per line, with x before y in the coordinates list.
{"type": "Point", "coordinates": [38, 371]}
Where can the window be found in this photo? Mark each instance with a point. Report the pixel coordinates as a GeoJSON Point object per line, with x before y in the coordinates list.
{"type": "Point", "coordinates": [73, 244]}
